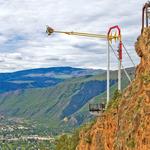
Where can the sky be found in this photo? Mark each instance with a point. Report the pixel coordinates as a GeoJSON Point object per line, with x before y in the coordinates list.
{"type": "Point", "coordinates": [25, 45]}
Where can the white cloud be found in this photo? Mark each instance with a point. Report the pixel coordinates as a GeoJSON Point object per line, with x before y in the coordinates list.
{"type": "Point", "coordinates": [24, 44]}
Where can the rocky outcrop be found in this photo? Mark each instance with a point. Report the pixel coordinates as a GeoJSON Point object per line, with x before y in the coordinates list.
{"type": "Point", "coordinates": [125, 125]}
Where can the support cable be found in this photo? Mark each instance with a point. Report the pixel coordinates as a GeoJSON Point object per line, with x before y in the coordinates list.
{"type": "Point", "coordinates": [121, 64]}
{"type": "Point", "coordinates": [128, 55]}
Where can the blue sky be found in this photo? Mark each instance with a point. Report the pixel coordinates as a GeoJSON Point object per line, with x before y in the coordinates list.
{"type": "Point", "coordinates": [24, 43]}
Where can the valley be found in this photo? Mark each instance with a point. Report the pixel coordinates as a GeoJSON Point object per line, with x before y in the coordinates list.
{"type": "Point", "coordinates": [67, 99]}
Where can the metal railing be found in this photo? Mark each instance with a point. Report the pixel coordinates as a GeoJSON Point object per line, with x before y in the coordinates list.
{"type": "Point", "coordinates": [96, 107]}
{"type": "Point", "coordinates": [145, 15]}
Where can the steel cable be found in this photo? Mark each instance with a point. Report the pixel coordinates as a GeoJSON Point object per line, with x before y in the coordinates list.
{"type": "Point", "coordinates": [126, 73]}
{"type": "Point", "coordinates": [128, 55]}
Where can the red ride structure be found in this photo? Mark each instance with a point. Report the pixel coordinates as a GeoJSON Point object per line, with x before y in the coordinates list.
{"type": "Point", "coordinates": [109, 37]}
{"type": "Point", "coordinates": [117, 37]}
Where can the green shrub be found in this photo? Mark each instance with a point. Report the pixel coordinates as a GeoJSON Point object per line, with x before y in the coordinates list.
{"type": "Point", "coordinates": [117, 94]}
{"type": "Point", "coordinates": [88, 139]}
{"type": "Point", "coordinates": [67, 142]}
{"type": "Point", "coordinates": [146, 78]}
{"type": "Point", "coordinates": [131, 143]}
{"type": "Point", "coordinates": [70, 142]}
{"type": "Point", "coordinates": [115, 100]}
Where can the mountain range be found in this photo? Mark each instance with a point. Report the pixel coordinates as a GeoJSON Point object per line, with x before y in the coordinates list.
{"type": "Point", "coordinates": [41, 77]}
{"type": "Point", "coordinates": [55, 97]}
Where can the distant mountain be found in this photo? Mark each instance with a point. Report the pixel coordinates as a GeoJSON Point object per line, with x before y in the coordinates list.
{"type": "Point", "coordinates": [40, 78]}
{"type": "Point", "coordinates": [66, 100]}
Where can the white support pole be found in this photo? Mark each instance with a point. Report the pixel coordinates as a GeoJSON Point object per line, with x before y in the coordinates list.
{"type": "Point", "coordinates": [119, 75]}
{"type": "Point", "coordinates": [120, 64]}
{"type": "Point", "coordinates": [108, 74]}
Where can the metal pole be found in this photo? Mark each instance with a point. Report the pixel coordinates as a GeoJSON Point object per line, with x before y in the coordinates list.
{"type": "Point", "coordinates": [147, 16]}
{"type": "Point", "coordinates": [119, 69]}
{"type": "Point", "coordinates": [119, 75]}
{"type": "Point", "coordinates": [108, 74]}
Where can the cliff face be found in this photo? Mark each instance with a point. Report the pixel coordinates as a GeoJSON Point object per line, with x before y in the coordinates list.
{"type": "Point", "coordinates": [126, 123]}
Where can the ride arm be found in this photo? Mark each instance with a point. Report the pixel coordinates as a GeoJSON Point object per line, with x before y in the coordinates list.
{"type": "Point", "coordinates": [49, 30]}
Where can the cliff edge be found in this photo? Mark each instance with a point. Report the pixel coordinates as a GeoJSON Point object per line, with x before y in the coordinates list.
{"type": "Point", "coordinates": [125, 125]}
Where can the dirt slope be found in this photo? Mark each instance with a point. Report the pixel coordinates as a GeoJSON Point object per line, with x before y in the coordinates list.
{"type": "Point", "coordinates": [126, 123]}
